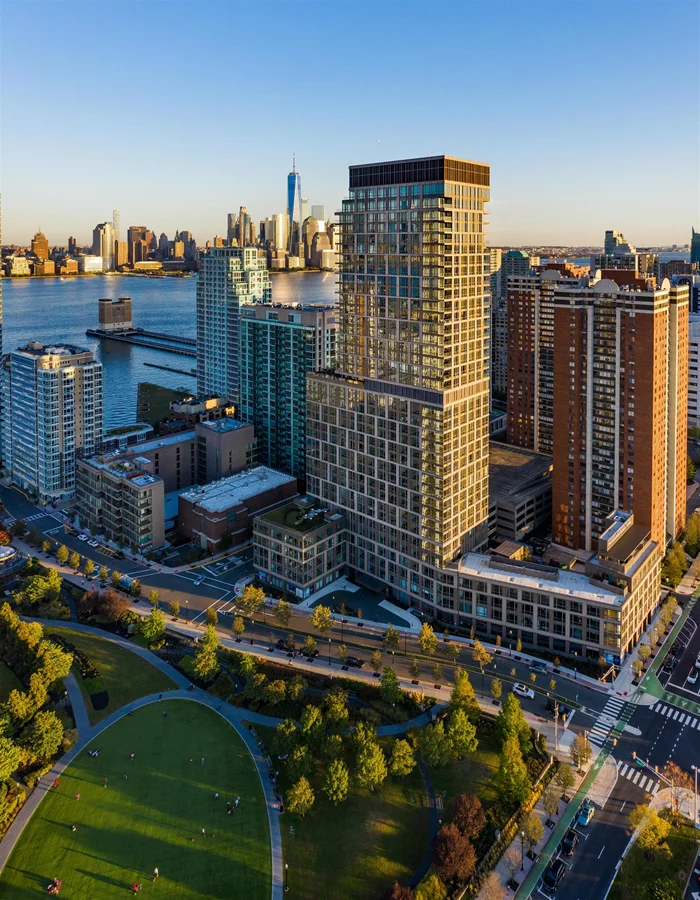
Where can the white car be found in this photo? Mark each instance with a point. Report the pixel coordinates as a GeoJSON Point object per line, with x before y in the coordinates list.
{"type": "Point", "coordinates": [697, 663]}
{"type": "Point", "coordinates": [93, 543]}
{"type": "Point", "coordinates": [82, 537]}
{"type": "Point", "coordinates": [523, 691]}
{"type": "Point", "coordinates": [693, 677]}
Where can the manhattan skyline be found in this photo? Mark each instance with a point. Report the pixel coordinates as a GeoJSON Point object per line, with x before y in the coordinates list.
{"type": "Point", "coordinates": [542, 92]}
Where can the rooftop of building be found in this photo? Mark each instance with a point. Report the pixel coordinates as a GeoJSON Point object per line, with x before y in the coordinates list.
{"type": "Point", "coordinates": [208, 400]}
{"type": "Point", "coordinates": [166, 440]}
{"type": "Point", "coordinates": [536, 577]}
{"type": "Point", "coordinates": [302, 516]}
{"type": "Point", "coordinates": [134, 428]}
{"type": "Point", "coordinates": [513, 470]}
{"type": "Point", "coordinates": [36, 348]}
{"type": "Point", "coordinates": [121, 465]}
{"type": "Point", "coordinates": [236, 489]}
{"type": "Point", "coordinates": [221, 426]}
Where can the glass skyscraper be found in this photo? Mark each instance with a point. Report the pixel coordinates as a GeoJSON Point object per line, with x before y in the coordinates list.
{"type": "Point", "coordinates": [397, 436]}
{"type": "Point", "coordinates": [294, 207]}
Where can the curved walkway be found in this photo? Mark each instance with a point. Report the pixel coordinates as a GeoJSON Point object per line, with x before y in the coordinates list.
{"type": "Point", "coordinates": [87, 733]}
{"type": "Point", "coordinates": [422, 869]}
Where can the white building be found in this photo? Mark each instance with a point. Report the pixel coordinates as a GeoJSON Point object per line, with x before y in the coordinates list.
{"type": "Point", "coordinates": [17, 265]}
{"type": "Point", "coordinates": [54, 410]}
{"type": "Point", "coordinates": [88, 264]}
{"type": "Point", "coordinates": [229, 278]}
{"type": "Point", "coordinates": [693, 367]}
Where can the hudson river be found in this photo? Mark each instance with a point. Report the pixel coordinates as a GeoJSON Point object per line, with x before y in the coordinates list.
{"type": "Point", "coordinates": [55, 310]}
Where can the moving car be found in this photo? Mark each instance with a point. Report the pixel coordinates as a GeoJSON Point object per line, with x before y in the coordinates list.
{"type": "Point", "coordinates": [354, 662]}
{"type": "Point", "coordinates": [586, 813]}
{"type": "Point", "coordinates": [539, 667]}
{"type": "Point", "coordinates": [553, 875]}
{"type": "Point", "coordinates": [523, 691]}
{"type": "Point", "coordinates": [93, 543]}
{"type": "Point", "coordinates": [568, 845]}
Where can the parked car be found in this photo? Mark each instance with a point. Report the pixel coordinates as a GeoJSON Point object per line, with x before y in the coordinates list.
{"type": "Point", "coordinates": [93, 543]}
{"type": "Point", "coordinates": [539, 667]}
{"type": "Point", "coordinates": [354, 662]}
{"type": "Point", "coordinates": [119, 555]}
{"type": "Point", "coordinates": [523, 691]}
{"type": "Point", "coordinates": [697, 662]}
{"type": "Point", "coordinates": [586, 813]}
{"type": "Point", "coordinates": [568, 845]}
{"type": "Point", "coordinates": [283, 645]}
{"type": "Point", "coordinates": [553, 875]}
{"type": "Point", "coordinates": [82, 537]}
{"type": "Point", "coordinates": [693, 677]}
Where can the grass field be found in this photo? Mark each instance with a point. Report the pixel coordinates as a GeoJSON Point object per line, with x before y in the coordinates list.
{"type": "Point", "coordinates": [471, 775]}
{"type": "Point", "coordinates": [355, 851]}
{"type": "Point", "coordinates": [153, 818]}
{"type": "Point", "coordinates": [8, 682]}
{"type": "Point", "coordinates": [126, 675]}
{"type": "Point", "coordinates": [637, 872]}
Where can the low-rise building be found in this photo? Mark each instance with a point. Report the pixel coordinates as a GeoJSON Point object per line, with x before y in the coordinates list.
{"type": "Point", "coordinates": [121, 499]}
{"type": "Point", "coordinates": [17, 266]}
{"type": "Point", "coordinates": [68, 267]}
{"type": "Point", "coordinates": [115, 315]}
{"type": "Point", "coordinates": [225, 508]}
{"type": "Point", "coordinates": [124, 436]}
{"type": "Point", "coordinates": [44, 267]}
{"type": "Point", "coordinates": [90, 264]}
{"type": "Point", "coordinates": [299, 547]}
{"type": "Point", "coordinates": [520, 491]}
{"type": "Point", "coordinates": [200, 409]}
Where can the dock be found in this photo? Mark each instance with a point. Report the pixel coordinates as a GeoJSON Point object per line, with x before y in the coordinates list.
{"type": "Point", "coordinates": [154, 340]}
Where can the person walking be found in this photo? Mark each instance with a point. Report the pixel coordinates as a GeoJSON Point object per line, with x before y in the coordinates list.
{"type": "Point", "coordinates": [155, 874]}
{"type": "Point", "coordinates": [203, 833]}
{"type": "Point", "coordinates": [202, 760]}
{"type": "Point", "coordinates": [216, 795]}
{"type": "Point", "coordinates": [77, 795]}
{"type": "Point", "coordinates": [56, 783]}
{"type": "Point", "coordinates": [238, 800]}
{"type": "Point", "coordinates": [104, 781]}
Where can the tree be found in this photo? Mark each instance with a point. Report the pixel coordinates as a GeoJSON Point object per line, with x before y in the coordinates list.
{"type": "Point", "coordinates": [464, 697]}
{"type": "Point", "coordinates": [431, 888]}
{"type": "Point", "coordinates": [402, 761]}
{"type": "Point", "coordinates": [689, 470]}
{"type": "Point", "coordinates": [336, 781]}
{"type": "Point", "coordinates": [153, 597]}
{"type": "Point", "coordinates": [321, 619]}
{"type": "Point", "coordinates": [18, 528]}
{"type": "Point", "coordinates": [20, 707]}
{"type": "Point", "coordinates": [74, 560]}
{"type": "Point", "coordinates": [414, 669]}
{"type": "Point", "coordinates": [533, 677]}
{"type": "Point", "coordinates": [438, 674]}
{"type": "Point", "coordinates": [468, 815]}
{"type": "Point", "coordinates": [398, 892]}
{"type": "Point", "coordinates": [496, 689]}
{"type": "Point", "coordinates": [427, 640]}
{"type": "Point", "coordinates": [116, 578]}
{"type": "Point", "coordinates": [311, 723]}
{"type": "Point", "coordinates": [211, 616]}
{"type": "Point", "coordinates": [511, 721]}
{"type": "Point", "coordinates": [343, 653]}
{"type": "Point", "coordinates": [336, 708]}
{"type": "Point", "coordinates": [643, 652]}
{"type": "Point", "coordinates": [283, 613]}
{"type": "Point", "coordinates": [389, 686]}
{"type": "Point", "coordinates": [550, 802]}
{"type": "Point", "coordinates": [251, 599]}
{"type": "Point", "coordinates": [5, 537]}
{"type": "Point", "coordinates": [434, 745]}
{"type": "Point", "coordinates": [453, 649]}
{"type": "Point", "coordinates": [564, 779]}
{"type": "Point", "coordinates": [238, 626]}
{"type": "Point", "coordinates": [481, 655]}
{"type": "Point", "coordinates": [9, 758]}
{"type": "Point", "coordinates": [296, 688]}
{"type": "Point", "coordinates": [43, 736]}
{"type": "Point", "coordinates": [518, 645]}
{"type": "Point", "coordinates": [135, 588]}
{"type": "Point", "coordinates": [492, 889]}
{"type": "Point", "coordinates": [580, 751]}
{"type": "Point", "coordinates": [45, 545]}
{"type": "Point", "coordinates": [88, 568]}
{"type": "Point", "coordinates": [653, 830]}
{"type": "Point", "coordinates": [111, 605]}
{"type": "Point", "coordinates": [300, 762]}
{"type": "Point", "coordinates": [682, 785]}
{"type": "Point", "coordinates": [300, 797]}
{"type": "Point", "coordinates": [454, 856]}
{"type": "Point", "coordinates": [534, 830]}
{"type": "Point", "coordinates": [392, 639]}
{"type": "Point", "coordinates": [637, 667]}
{"type": "Point", "coordinates": [461, 733]}
{"type": "Point", "coordinates": [154, 625]}
{"type": "Point", "coordinates": [206, 662]}
{"type": "Point", "coordinates": [62, 554]}
{"type": "Point", "coordinates": [512, 778]}
{"type": "Point", "coordinates": [362, 734]}
{"type": "Point", "coordinates": [332, 747]}
{"type": "Point", "coordinates": [512, 861]}
{"type": "Point", "coordinates": [309, 647]}
{"type": "Point", "coordinates": [174, 608]}
{"type": "Point", "coordinates": [663, 889]}
{"type": "Point", "coordinates": [371, 767]}
{"type": "Point", "coordinates": [103, 573]}
{"type": "Point", "coordinates": [375, 662]}
{"type": "Point", "coordinates": [286, 737]}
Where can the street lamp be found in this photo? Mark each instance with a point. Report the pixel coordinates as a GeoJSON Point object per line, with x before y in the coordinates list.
{"type": "Point", "coordinates": [522, 850]}
{"type": "Point", "coordinates": [329, 651]}
{"type": "Point", "coordinates": [286, 878]}
{"type": "Point", "coordinates": [695, 816]}
{"type": "Point", "coordinates": [187, 609]}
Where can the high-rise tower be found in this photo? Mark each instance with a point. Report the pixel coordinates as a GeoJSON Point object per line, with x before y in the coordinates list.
{"type": "Point", "coordinates": [116, 225]}
{"type": "Point", "coordinates": [695, 248]}
{"type": "Point", "coordinates": [294, 207]}
{"type": "Point", "coordinates": [397, 436]}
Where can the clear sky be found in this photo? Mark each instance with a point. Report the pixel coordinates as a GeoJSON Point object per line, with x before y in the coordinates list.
{"type": "Point", "coordinates": [179, 112]}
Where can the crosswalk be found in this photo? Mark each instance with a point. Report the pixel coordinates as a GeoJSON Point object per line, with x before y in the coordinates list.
{"type": "Point", "coordinates": [638, 776]}
{"type": "Point", "coordinates": [10, 520]}
{"type": "Point", "coordinates": [676, 715]}
{"type": "Point", "coordinates": [612, 712]}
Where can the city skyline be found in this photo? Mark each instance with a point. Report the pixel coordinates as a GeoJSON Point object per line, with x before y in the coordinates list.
{"type": "Point", "coordinates": [550, 141]}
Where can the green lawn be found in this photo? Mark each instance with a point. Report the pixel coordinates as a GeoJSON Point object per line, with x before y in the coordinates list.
{"type": "Point", "coordinates": [153, 818]}
{"type": "Point", "coordinates": [126, 675]}
{"type": "Point", "coordinates": [472, 775]}
{"type": "Point", "coordinates": [637, 872]}
{"type": "Point", "coordinates": [8, 682]}
{"type": "Point", "coordinates": [358, 848]}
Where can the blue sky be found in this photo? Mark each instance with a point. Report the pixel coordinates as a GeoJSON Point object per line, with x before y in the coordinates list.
{"type": "Point", "coordinates": [179, 112]}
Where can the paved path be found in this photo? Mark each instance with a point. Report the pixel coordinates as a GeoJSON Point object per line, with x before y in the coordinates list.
{"type": "Point", "coordinates": [87, 734]}
{"type": "Point", "coordinates": [422, 869]}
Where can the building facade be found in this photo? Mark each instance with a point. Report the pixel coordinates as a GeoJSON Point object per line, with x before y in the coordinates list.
{"type": "Point", "coordinates": [54, 412]}
{"type": "Point", "coordinates": [103, 245]}
{"type": "Point", "coordinates": [694, 371]}
{"type": "Point", "coordinates": [115, 315]}
{"type": "Point", "coordinates": [398, 436]}
{"type": "Point", "coordinates": [40, 246]}
{"type": "Point", "coordinates": [122, 500]}
{"type": "Point", "coordinates": [299, 548]}
{"type": "Point", "coordinates": [229, 278]}
{"type": "Point", "coordinates": [620, 404]}
{"type": "Point", "coordinates": [695, 249]}
{"type": "Point", "coordinates": [279, 345]}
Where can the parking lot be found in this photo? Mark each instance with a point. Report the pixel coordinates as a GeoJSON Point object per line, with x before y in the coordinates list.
{"type": "Point", "coordinates": [680, 670]}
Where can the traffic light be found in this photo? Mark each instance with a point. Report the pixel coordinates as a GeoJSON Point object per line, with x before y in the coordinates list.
{"type": "Point", "coordinates": [634, 755]}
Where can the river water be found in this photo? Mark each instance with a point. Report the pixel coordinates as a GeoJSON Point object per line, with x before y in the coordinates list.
{"type": "Point", "coordinates": [55, 310]}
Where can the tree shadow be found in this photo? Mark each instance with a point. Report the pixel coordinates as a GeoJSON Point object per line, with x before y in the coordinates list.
{"type": "Point", "coordinates": [105, 879]}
